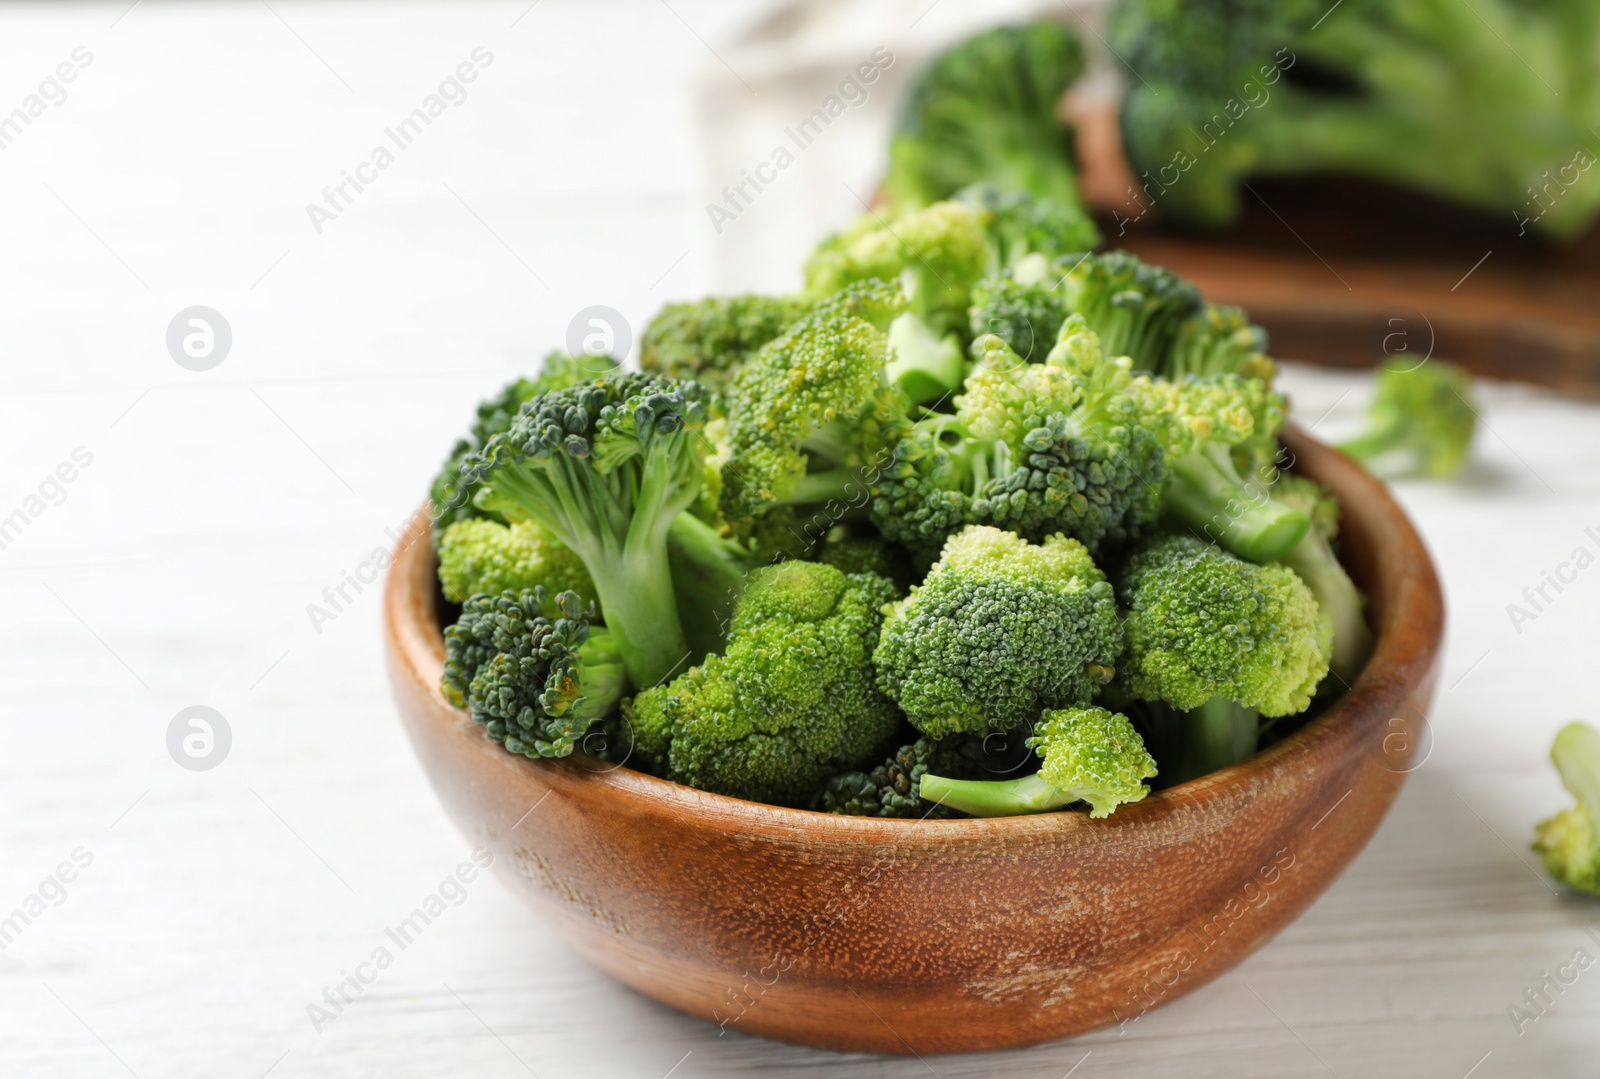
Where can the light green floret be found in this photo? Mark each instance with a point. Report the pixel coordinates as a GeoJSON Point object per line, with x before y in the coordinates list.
{"type": "Point", "coordinates": [1089, 754]}
{"type": "Point", "coordinates": [483, 556]}
{"type": "Point", "coordinates": [790, 702]}
{"type": "Point", "coordinates": [1421, 422]}
{"type": "Point", "coordinates": [1569, 842]}
{"type": "Point", "coordinates": [1000, 630]}
{"type": "Point", "coordinates": [1202, 624]}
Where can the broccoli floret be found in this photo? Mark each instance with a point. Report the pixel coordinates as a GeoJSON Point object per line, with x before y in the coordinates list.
{"type": "Point", "coordinates": [535, 682]}
{"type": "Point", "coordinates": [986, 110]}
{"type": "Point", "coordinates": [1027, 317]}
{"type": "Point", "coordinates": [605, 468]}
{"type": "Point", "coordinates": [1421, 422]}
{"type": "Point", "coordinates": [478, 555]}
{"type": "Point", "coordinates": [1315, 563]}
{"type": "Point", "coordinates": [1201, 623]}
{"type": "Point", "coordinates": [864, 554]}
{"type": "Point", "coordinates": [1089, 754]}
{"type": "Point", "coordinates": [891, 789]}
{"type": "Point", "coordinates": [1029, 235]}
{"type": "Point", "coordinates": [1000, 629]}
{"type": "Point", "coordinates": [1218, 340]}
{"type": "Point", "coordinates": [1569, 842]}
{"type": "Point", "coordinates": [1399, 92]}
{"type": "Point", "coordinates": [709, 340]}
{"type": "Point", "coordinates": [452, 491]}
{"type": "Point", "coordinates": [1136, 308]}
{"type": "Point", "coordinates": [789, 702]}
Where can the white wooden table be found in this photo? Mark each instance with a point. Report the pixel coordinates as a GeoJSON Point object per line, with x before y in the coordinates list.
{"type": "Point", "coordinates": [209, 510]}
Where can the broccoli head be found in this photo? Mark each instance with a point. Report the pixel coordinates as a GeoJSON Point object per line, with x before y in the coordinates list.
{"type": "Point", "coordinates": [1029, 234]}
{"type": "Point", "coordinates": [1088, 754]}
{"type": "Point", "coordinates": [478, 555]}
{"type": "Point", "coordinates": [1027, 317]}
{"type": "Point", "coordinates": [790, 701]}
{"type": "Point", "coordinates": [1134, 307]}
{"type": "Point", "coordinates": [536, 682]}
{"type": "Point", "coordinates": [604, 468]}
{"type": "Point", "coordinates": [1000, 630]}
{"type": "Point", "coordinates": [1201, 623]}
{"type": "Point", "coordinates": [452, 491]}
{"type": "Point", "coordinates": [985, 109]}
{"type": "Point", "coordinates": [1421, 422]}
{"type": "Point", "coordinates": [1398, 92]}
{"type": "Point", "coordinates": [1569, 842]}
{"type": "Point", "coordinates": [709, 340]}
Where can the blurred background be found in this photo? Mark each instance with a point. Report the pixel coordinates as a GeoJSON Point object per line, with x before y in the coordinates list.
{"type": "Point", "coordinates": [249, 304]}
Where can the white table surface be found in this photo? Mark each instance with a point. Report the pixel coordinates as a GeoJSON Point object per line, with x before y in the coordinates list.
{"type": "Point", "coordinates": [178, 567]}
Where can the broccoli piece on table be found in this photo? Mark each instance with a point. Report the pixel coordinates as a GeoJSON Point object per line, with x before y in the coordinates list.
{"type": "Point", "coordinates": [709, 340]}
{"type": "Point", "coordinates": [1569, 842]}
{"type": "Point", "coordinates": [1201, 623]}
{"type": "Point", "coordinates": [1000, 629]}
{"type": "Point", "coordinates": [1314, 562]}
{"type": "Point", "coordinates": [985, 109]}
{"type": "Point", "coordinates": [452, 491]}
{"type": "Point", "coordinates": [790, 701]}
{"type": "Point", "coordinates": [1421, 422]}
{"type": "Point", "coordinates": [535, 681]}
{"type": "Point", "coordinates": [478, 555]}
{"type": "Point", "coordinates": [1399, 92]}
{"type": "Point", "coordinates": [1089, 754]}
{"type": "Point", "coordinates": [605, 468]}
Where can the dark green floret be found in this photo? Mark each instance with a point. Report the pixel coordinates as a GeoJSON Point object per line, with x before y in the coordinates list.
{"type": "Point", "coordinates": [892, 788]}
{"type": "Point", "coordinates": [986, 110]}
{"type": "Point", "coordinates": [533, 669]}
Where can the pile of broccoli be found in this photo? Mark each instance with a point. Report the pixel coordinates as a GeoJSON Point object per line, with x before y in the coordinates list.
{"type": "Point", "coordinates": [978, 522]}
{"type": "Point", "coordinates": [1401, 92]}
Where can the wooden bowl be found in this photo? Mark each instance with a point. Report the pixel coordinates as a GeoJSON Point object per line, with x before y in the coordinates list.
{"type": "Point", "coordinates": [936, 936]}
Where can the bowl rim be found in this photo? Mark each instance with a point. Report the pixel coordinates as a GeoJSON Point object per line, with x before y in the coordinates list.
{"type": "Point", "coordinates": [1408, 630]}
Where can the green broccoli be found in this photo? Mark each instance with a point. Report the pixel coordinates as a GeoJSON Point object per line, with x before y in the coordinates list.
{"type": "Point", "coordinates": [1315, 563]}
{"type": "Point", "coordinates": [1089, 754]}
{"type": "Point", "coordinates": [1398, 92]}
{"type": "Point", "coordinates": [1569, 842]}
{"type": "Point", "coordinates": [478, 555]}
{"type": "Point", "coordinates": [1201, 623]}
{"type": "Point", "coordinates": [605, 468]}
{"type": "Point", "coordinates": [1071, 445]}
{"type": "Point", "coordinates": [891, 789]}
{"type": "Point", "coordinates": [864, 554]}
{"type": "Point", "coordinates": [1026, 316]}
{"type": "Point", "coordinates": [999, 630]}
{"type": "Point", "coordinates": [790, 701]}
{"type": "Point", "coordinates": [985, 109]}
{"type": "Point", "coordinates": [452, 492]}
{"type": "Point", "coordinates": [935, 255]}
{"type": "Point", "coordinates": [709, 340]}
{"type": "Point", "coordinates": [1137, 309]}
{"type": "Point", "coordinates": [535, 682]}
{"type": "Point", "coordinates": [1030, 235]}
{"type": "Point", "coordinates": [1197, 742]}
{"type": "Point", "coordinates": [1421, 422]}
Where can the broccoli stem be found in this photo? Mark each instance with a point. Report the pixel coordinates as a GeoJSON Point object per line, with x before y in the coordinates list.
{"type": "Point", "coordinates": [708, 575]}
{"type": "Point", "coordinates": [995, 798]}
{"type": "Point", "coordinates": [602, 680]}
{"type": "Point", "coordinates": [1206, 492]}
{"type": "Point", "coordinates": [1370, 445]}
{"type": "Point", "coordinates": [924, 364]}
{"type": "Point", "coordinates": [834, 483]}
{"type": "Point", "coordinates": [1314, 562]}
{"type": "Point", "coordinates": [1217, 734]}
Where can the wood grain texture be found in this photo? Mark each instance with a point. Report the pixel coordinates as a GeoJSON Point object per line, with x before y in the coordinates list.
{"type": "Point", "coordinates": [938, 936]}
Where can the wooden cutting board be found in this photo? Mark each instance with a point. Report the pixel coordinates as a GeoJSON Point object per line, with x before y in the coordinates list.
{"type": "Point", "coordinates": [1348, 272]}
